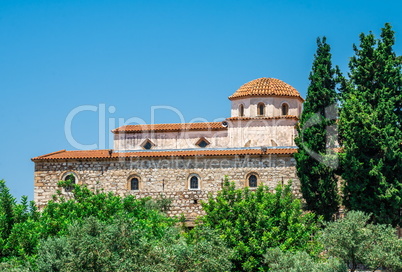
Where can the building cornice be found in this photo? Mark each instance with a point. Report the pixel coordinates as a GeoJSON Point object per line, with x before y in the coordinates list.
{"type": "Point", "coordinates": [109, 154]}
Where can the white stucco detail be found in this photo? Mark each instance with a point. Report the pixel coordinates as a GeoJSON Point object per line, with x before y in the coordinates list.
{"type": "Point", "coordinates": [252, 131]}
{"type": "Point", "coordinates": [273, 106]}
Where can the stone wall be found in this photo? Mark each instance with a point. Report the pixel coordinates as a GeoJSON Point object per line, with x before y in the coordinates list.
{"type": "Point", "coordinates": [166, 176]}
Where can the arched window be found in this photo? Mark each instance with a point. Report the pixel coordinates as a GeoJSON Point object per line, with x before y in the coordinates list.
{"type": "Point", "coordinates": [194, 182]}
{"type": "Point", "coordinates": [261, 109]}
{"type": "Point", "coordinates": [285, 109]}
{"type": "Point", "coordinates": [72, 179]}
{"type": "Point", "coordinates": [252, 181]}
{"type": "Point", "coordinates": [241, 110]}
{"type": "Point", "coordinates": [134, 184]}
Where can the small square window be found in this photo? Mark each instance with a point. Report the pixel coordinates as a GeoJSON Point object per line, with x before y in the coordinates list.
{"type": "Point", "coordinates": [202, 144]}
{"type": "Point", "coordinates": [147, 144]}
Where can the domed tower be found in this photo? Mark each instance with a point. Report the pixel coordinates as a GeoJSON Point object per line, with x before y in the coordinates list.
{"type": "Point", "coordinates": [266, 97]}
{"type": "Point", "coordinates": [264, 113]}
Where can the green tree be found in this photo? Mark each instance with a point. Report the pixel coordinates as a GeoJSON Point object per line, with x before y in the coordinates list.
{"type": "Point", "coordinates": [61, 211]}
{"type": "Point", "coordinates": [355, 241]}
{"type": "Point", "coordinates": [250, 222]}
{"type": "Point", "coordinates": [16, 238]}
{"type": "Point", "coordinates": [300, 261]}
{"type": "Point", "coordinates": [22, 227]}
{"type": "Point", "coordinates": [14, 266]}
{"type": "Point", "coordinates": [98, 231]}
{"type": "Point", "coordinates": [7, 219]}
{"type": "Point", "coordinates": [316, 159]}
{"type": "Point", "coordinates": [126, 245]}
{"type": "Point", "coordinates": [370, 129]}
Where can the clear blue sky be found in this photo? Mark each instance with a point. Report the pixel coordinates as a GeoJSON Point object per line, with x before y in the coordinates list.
{"type": "Point", "coordinates": [191, 55]}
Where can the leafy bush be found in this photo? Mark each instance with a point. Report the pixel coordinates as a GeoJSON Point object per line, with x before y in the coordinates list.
{"type": "Point", "coordinates": [126, 245]}
{"type": "Point", "coordinates": [22, 227]}
{"type": "Point", "coordinates": [60, 212]}
{"type": "Point", "coordinates": [300, 261]}
{"type": "Point", "coordinates": [13, 265]}
{"type": "Point", "coordinates": [251, 222]}
{"type": "Point", "coordinates": [355, 241]}
{"type": "Point", "coordinates": [17, 225]}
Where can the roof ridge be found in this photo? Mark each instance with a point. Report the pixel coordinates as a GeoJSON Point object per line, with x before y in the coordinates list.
{"type": "Point", "coordinates": [233, 118]}
{"type": "Point", "coordinates": [90, 150]}
{"type": "Point", "coordinates": [53, 153]}
{"type": "Point", "coordinates": [171, 127]}
{"type": "Point", "coordinates": [95, 154]}
{"type": "Point", "coordinates": [265, 86]}
{"type": "Point", "coordinates": [170, 124]}
{"type": "Point", "coordinates": [49, 154]}
{"type": "Point", "coordinates": [257, 148]}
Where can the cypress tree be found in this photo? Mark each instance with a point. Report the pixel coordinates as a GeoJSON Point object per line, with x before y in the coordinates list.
{"type": "Point", "coordinates": [370, 129]}
{"type": "Point", "coordinates": [316, 137]}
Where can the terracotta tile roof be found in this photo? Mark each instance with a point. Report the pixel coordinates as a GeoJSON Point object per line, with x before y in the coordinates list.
{"type": "Point", "coordinates": [265, 87]}
{"type": "Point", "coordinates": [263, 118]}
{"type": "Point", "coordinates": [108, 154]}
{"type": "Point", "coordinates": [208, 126]}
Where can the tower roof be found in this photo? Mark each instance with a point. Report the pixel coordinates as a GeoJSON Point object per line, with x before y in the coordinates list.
{"type": "Point", "coordinates": [265, 87]}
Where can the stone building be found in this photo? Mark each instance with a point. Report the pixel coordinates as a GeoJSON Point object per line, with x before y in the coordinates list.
{"type": "Point", "coordinates": [186, 162]}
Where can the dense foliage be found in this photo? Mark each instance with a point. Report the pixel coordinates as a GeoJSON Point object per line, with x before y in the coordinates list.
{"type": "Point", "coordinates": [279, 261]}
{"type": "Point", "coordinates": [251, 222]}
{"type": "Point", "coordinates": [355, 241]}
{"type": "Point", "coordinates": [128, 245]}
{"type": "Point", "coordinates": [242, 230]}
{"type": "Point", "coordinates": [370, 129]}
{"type": "Point", "coordinates": [316, 159]}
{"type": "Point", "coordinates": [82, 203]}
{"type": "Point", "coordinates": [23, 227]}
{"type": "Point", "coordinates": [18, 225]}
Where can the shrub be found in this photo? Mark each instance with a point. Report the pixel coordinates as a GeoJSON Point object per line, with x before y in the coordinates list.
{"type": "Point", "coordinates": [300, 261]}
{"type": "Point", "coordinates": [126, 245]}
{"type": "Point", "coordinates": [355, 241]}
{"type": "Point", "coordinates": [251, 222]}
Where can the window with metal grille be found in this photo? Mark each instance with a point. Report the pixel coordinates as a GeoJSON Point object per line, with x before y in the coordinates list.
{"type": "Point", "coordinates": [252, 181]}
{"type": "Point", "coordinates": [135, 184]}
{"type": "Point", "coordinates": [194, 182]}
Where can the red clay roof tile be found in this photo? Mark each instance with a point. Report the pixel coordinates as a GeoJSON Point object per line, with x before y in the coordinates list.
{"type": "Point", "coordinates": [171, 127]}
{"type": "Point", "coordinates": [265, 87]}
{"type": "Point", "coordinates": [263, 118]}
{"type": "Point", "coordinates": [108, 154]}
